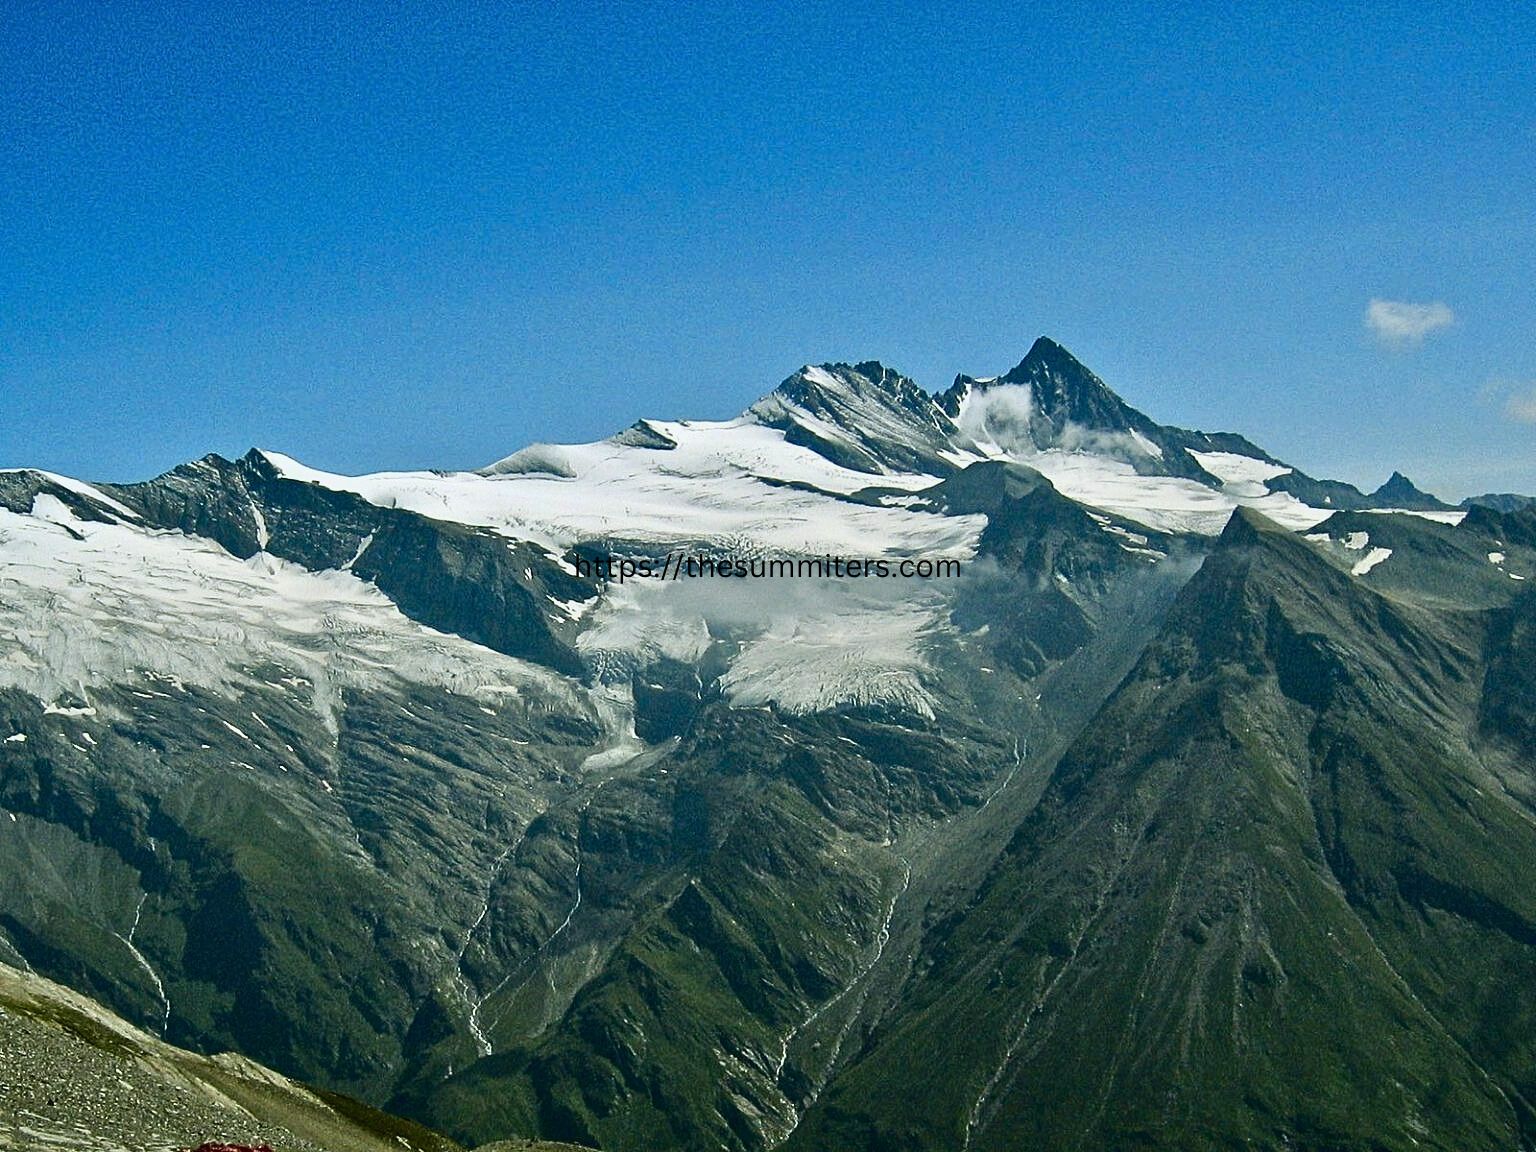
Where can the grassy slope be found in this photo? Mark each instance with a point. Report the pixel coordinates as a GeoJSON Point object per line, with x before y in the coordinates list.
{"type": "Point", "coordinates": [1265, 902]}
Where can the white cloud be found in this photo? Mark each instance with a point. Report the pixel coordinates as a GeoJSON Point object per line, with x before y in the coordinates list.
{"type": "Point", "coordinates": [1001, 414]}
{"type": "Point", "coordinates": [1521, 405]}
{"type": "Point", "coordinates": [1517, 397]}
{"type": "Point", "coordinates": [1397, 322]}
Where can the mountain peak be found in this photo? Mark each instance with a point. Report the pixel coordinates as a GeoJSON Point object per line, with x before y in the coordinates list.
{"type": "Point", "coordinates": [1063, 389]}
{"type": "Point", "coordinates": [1070, 407]}
{"type": "Point", "coordinates": [866, 417]}
{"type": "Point", "coordinates": [1045, 349]}
{"type": "Point", "coordinates": [1401, 492]}
{"type": "Point", "coordinates": [867, 376]}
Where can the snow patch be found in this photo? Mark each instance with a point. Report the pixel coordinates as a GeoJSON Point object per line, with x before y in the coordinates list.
{"type": "Point", "coordinates": [53, 709]}
{"type": "Point", "coordinates": [123, 603]}
{"type": "Point", "coordinates": [575, 609]}
{"type": "Point", "coordinates": [81, 489]}
{"type": "Point", "coordinates": [726, 482]}
{"type": "Point", "coordinates": [816, 662]}
{"type": "Point", "coordinates": [1372, 558]}
{"type": "Point", "coordinates": [1240, 475]}
{"type": "Point", "coordinates": [362, 546]}
{"type": "Point", "coordinates": [263, 537]}
{"type": "Point", "coordinates": [1450, 516]}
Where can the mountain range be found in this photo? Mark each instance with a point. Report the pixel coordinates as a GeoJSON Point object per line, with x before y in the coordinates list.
{"type": "Point", "coordinates": [1193, 813]}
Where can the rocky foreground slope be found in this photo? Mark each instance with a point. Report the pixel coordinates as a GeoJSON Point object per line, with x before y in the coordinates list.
{"type": "Point", "coordinates": [1190, 814]}
{"type": "Point", "coordinates": [75, 1076]}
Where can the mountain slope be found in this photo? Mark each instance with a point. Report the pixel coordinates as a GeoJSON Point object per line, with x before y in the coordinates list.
{"type": "Point", "coordinates": [1240, 908]}
{"type": "Point", "coordinates": [1158, 820]}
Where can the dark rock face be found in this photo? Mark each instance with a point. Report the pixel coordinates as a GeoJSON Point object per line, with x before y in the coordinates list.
{"type": "Point", "coordinates": [1063, 391]}
{"type": "Point", "coordinates": [1071, 407]}
{"type": "Point", "coordinates": [470, 583]}
{"type": "Point", "coordinates": [1319, 493]}
{"type": "Point", "coordinates": [865, 417]}
{"type": "Point", "coordinates": [210, 497]}
{"type": "Point", "coordinates": [450, 577]}
{"type": "Point", "coordinates": [1400, 492]}
{"type": "Point", "coordinates": [19, 489]}
{"type": "Point", "coordinates": [1505, 713]}
{"type": "Point", "coordinates": [1499, 501]}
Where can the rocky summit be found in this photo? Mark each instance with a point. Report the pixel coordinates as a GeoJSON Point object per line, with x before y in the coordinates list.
{"type": "Point", "coordinates": [1190, 808]}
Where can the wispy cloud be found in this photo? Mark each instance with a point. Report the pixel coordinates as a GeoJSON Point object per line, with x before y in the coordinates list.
{"type": "Point", "coordinates": [1521, 405]}
{"type": "Point", "coordinates": [1400, 323]}
{"type": "Point", "coordinates": [1516, 397]}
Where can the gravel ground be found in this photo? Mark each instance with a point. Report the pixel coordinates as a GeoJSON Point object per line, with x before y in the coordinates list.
{"type": "Point", "coordinates": [59, 1092]}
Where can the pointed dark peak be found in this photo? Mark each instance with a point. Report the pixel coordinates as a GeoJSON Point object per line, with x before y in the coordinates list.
{"type": "Point", "coordinates": [1063, 391]}
{"type": "Point", "coordinates": [1046, 352]}
{"type": "Point", "coordinates": [1401, 492]}
{"type": "Point", "coordinates": [1249, 526]}
{"type": "Point", "coordinates": [1060, 380]}
{"type": "Point", "coordinates": [1045, 360]}
{"type": "Point", "coordinates": [256, 462]}
{"type": "Point", "coordinates": [1070, 407]}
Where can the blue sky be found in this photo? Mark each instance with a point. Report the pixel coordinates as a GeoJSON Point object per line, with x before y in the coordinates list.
{"type": "Point", "coordinates": [424, 236]}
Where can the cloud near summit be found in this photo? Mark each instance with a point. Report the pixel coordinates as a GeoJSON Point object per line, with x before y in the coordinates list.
{"type": "Point", "coordinates": [1400, 323]}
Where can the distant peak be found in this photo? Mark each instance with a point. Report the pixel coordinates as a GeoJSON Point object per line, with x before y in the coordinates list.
{"type": "Point", "coordinates": [867, 417]}
{"type": "Point", "coordinates": [1063, 391]}
{"type": "Point", "coordinates": [1045, 348]}
{"type": "Point", "coordinates": [258, 460]}
{"type": "Point", "coordinates": [1248, 525]}
{"type": "Point", "coordinates": [815, 384]}
{"type": "Point", "coordinates": [1401, 492]}
{"type": "Point", "coordinates": [876, 371]}
{"type": "Point", "coordinates": [1048, 356]}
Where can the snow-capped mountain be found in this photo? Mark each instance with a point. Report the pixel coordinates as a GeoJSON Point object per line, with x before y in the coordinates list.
{"type": "Point", "coordinates": [780, 476]}
{"type": "Point", "coordinates": [834, 461]}
{"type": "Point", "coordinates": [379, 780]}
